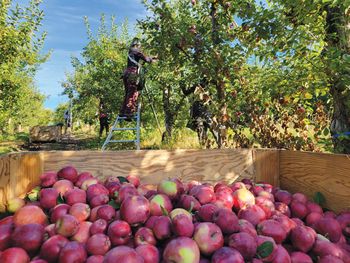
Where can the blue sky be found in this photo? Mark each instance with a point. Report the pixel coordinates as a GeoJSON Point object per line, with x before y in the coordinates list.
{"type": "Point", "coordinates": [67, 36]}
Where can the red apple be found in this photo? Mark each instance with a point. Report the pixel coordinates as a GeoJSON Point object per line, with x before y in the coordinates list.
{"type": "Point", "coordinates": [162, 227]}
{"type": "Point", "coordinates": [144, 236]}
{"type": "Point", "coordinates": [329, 227]}
{"type": "Point", "coordinates": [283, 197]}
{"type": "Point", "coordinates": [96, 190]}
{"type": "Point", "coordinates": [48, 198]}
{"type": "Point", "coordinates": [272, 228]}
{"type": "Point", "coordinates": [244, 243]}
{"type": "Point", "coordinates": [123, 254]}
{"type": "Point", "coordinates": [99, 200]}
{"type": "Point", "coordinates": [98, 227]}
{"type": "Point", "coordinates": [67, 226]}
{"type": "Point", "coordinates": [204, 194]}
{"type": "Point", "coordinates": [260, 241]}
{"type": "Point", "coordinates": [82, 177]}
{"type": "Point", "coordinates": [181, 249]}
{"type": "Point", "coordinates": [58, 211]}
{"type": "Point", "coordinates": [189, 202]}
{"type": "Point", "coordinates": [14, 255]}
{"type": "Point", "coordinates": [68, 173]}
{"type": "Point", "coordinates": [88, 182]}
{"type": "Point", "coordinates": [135, 180]}
{"type": "Point", "coordinates": [168, 188]}
{"type": "Point", "coordinates": [159, 203]}
{"type": "Point", "coordinates": [62, 186]}
{"type": "Point", "coordinates": [106, 212]}
{"type": "Point", "coordinates": [282, 208]}
{"type": "Point", "coordinates": [83, 233]}
{"type": "Point", "coordinates": [227, 255]}
{"type": "Point", "coordinates": [208, 237]}
{"type": "Point", "coordinates": [135, 210]}
{"type": "Point", "coordinates": [52, 247]}
{"type": "Point", "coordinates": [5, 236]}
{"type": "Point", "coordinates": [182, 226]}
{"type": "Point", "coordinates": [254, 214]}
{"type": "Point", "coordinates": [226, 220]}
{"type": "Point", "coordinates": [48, 179]}
{"type": "Point", "coordinates": [74, 196]}
{"type": "Point", "coordinates": [29, 215]}
{"type": "Point", "coordinates": [98, 244]}
{"type": "Point", "coordinates": [247, 227]}
{"type": "Point", "coordinates": [29, 237]}
{"type": "Point", "coordinates": [72, 252]}
{"type": "Point", "coordinates": [281, 255]}
{"type": "Point", "coordinates": [206, 212]}
{"type": "Point", "coordinates": [80, 211]}
{"type": "Point", "coordinates": [125, 191]}
{"type": "Point", "coordinates": [242, 198]}
{"type": "Point", "coordinates": [149, 253]}
{"type": "Point", "coordinates": [119, 232]}
{"type": "Point", "coordinates": [302, 238]}
{"type": "Point", "coordinates": [298, 209]}
{"type": "Point", "coordinates": [300, 257]}
{"type": "Point", "coordinates": [95, 259]}
{"type": "Point", "coordinates": [113, 189]}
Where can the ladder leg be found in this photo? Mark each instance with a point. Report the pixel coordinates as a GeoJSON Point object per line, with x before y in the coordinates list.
{"type": "Point", "coordinates": [138, 127]}
{"type": "Point", "coordinates": [110, 134]}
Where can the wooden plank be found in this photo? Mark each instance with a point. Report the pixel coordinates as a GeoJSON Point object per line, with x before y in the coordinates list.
{"type": "Point", "coordinates": [4, 180]}
{"type": "Point", "coordinates": [18, 174]}
{"type": "Point", "coordinates": [154, 165]}
{"type": "Point", "coordinates": [266, 164]}
{"type": "Point", "coordinates": [316, 172]}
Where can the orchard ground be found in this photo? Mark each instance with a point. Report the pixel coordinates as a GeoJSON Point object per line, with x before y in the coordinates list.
{"type": "Point", "coordinates": [83, 139]}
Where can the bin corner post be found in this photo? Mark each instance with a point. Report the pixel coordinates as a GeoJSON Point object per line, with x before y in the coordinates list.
{"type": "Point", "coordinates": [266, 165]}
{"type": "Point", "coordinates": [24, 170]}
{"type": "Point", "coordinates": [4, 180]}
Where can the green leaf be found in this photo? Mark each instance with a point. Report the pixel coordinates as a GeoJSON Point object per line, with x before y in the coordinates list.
{"type": "Point", "coordinates": [60, 199]}
{"type": "Point", "coordinates": [114, 204]}
{"type": "Point", "coordinates": [116, 194]}
{"type": "Point", "coordinates": [319, 198]}
{"type": "Point", "coordinates": [191, 207]}
{"type": "Point", "coordinates": [164, 211]}
{"type": "Point", "coordinates": [33, 195]}
{"type": "Point", "coordinates": [265, 249]}
{"type": "Point", "coordinates": [326, 132]}
{"type": "Point", "coordinates": [122, 179]}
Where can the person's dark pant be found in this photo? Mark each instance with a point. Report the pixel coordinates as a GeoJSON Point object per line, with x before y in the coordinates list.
{"type": "Point", "coordinates": [129, 106]}
{"type": "Point", "coordinates": [202, 127]}
{"type": "Point", "coordinates": [104, 125]}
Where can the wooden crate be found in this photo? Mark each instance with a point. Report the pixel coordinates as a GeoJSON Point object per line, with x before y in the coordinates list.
{"type": "Point", "coordinates": [294, 171]}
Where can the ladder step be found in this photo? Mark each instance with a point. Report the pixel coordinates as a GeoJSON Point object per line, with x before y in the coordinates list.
{"type": "Point", "coordinates": [122, 141]}
{"type": "Point", "coordinates": [124, 129]}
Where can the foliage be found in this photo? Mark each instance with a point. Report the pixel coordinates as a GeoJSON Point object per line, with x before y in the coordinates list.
{"type": "Point", "coordinates": [266, 73]}
{"type": "Point", "coordinates": [20, 45]}
{"type": "Point", "coordinates": [97, 76]}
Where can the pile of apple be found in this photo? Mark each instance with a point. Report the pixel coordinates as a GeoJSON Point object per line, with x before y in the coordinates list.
{"type": "Point", "coordinates": [76, 218]}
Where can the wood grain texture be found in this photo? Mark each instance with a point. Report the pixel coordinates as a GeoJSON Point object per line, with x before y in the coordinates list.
{"type": "Point", "coordinates": [4, 180]}
{"type": "Point", "coordinates": [266, 164]}
{"type": "Point", "coordinates": [316, 172]}
{"type": "Point", "coordinates": [18, 174]}
{"type": "Point", "coordinates": [154, 165]}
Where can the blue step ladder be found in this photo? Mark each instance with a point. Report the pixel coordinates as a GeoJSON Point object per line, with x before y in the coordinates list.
{"type": "Point", "coordinates": [120, 120]}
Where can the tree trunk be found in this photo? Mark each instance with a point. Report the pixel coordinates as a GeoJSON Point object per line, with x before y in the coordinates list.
{"type": "Point", "coordinates": [338, 40]}
{"type": "Point", "coordinates": [169, 115]}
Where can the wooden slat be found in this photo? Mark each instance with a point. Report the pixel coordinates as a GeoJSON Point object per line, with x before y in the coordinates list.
{"type": "Point", "coordinates": [266, 164]}
{"type": "Point", "coordinates": [316, 172]}
{"type": "Point", "coordinates": [153, 166]}
{"type": "Point", "coordinates": [4, 180]}
{"type": "Point", "coordinates": [18, 174]}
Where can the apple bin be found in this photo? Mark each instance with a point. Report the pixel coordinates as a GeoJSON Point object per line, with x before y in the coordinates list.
{"type": "Point", "coordinates": [311, 175]}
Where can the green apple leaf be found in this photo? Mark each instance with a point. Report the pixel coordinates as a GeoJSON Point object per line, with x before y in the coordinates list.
{"type": "Point", "coordinates": [164, 211]}
{"type": "Point", "coordinates": [122, 179]}
{"type": "Point", "coordinates": [114, 204]}
{"type": "Point", "coordinates": [60, 199]}
{"type": "Point", "coordinates": [319, 198]}
{"type": "Point", "coordinates": [265, 249]}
